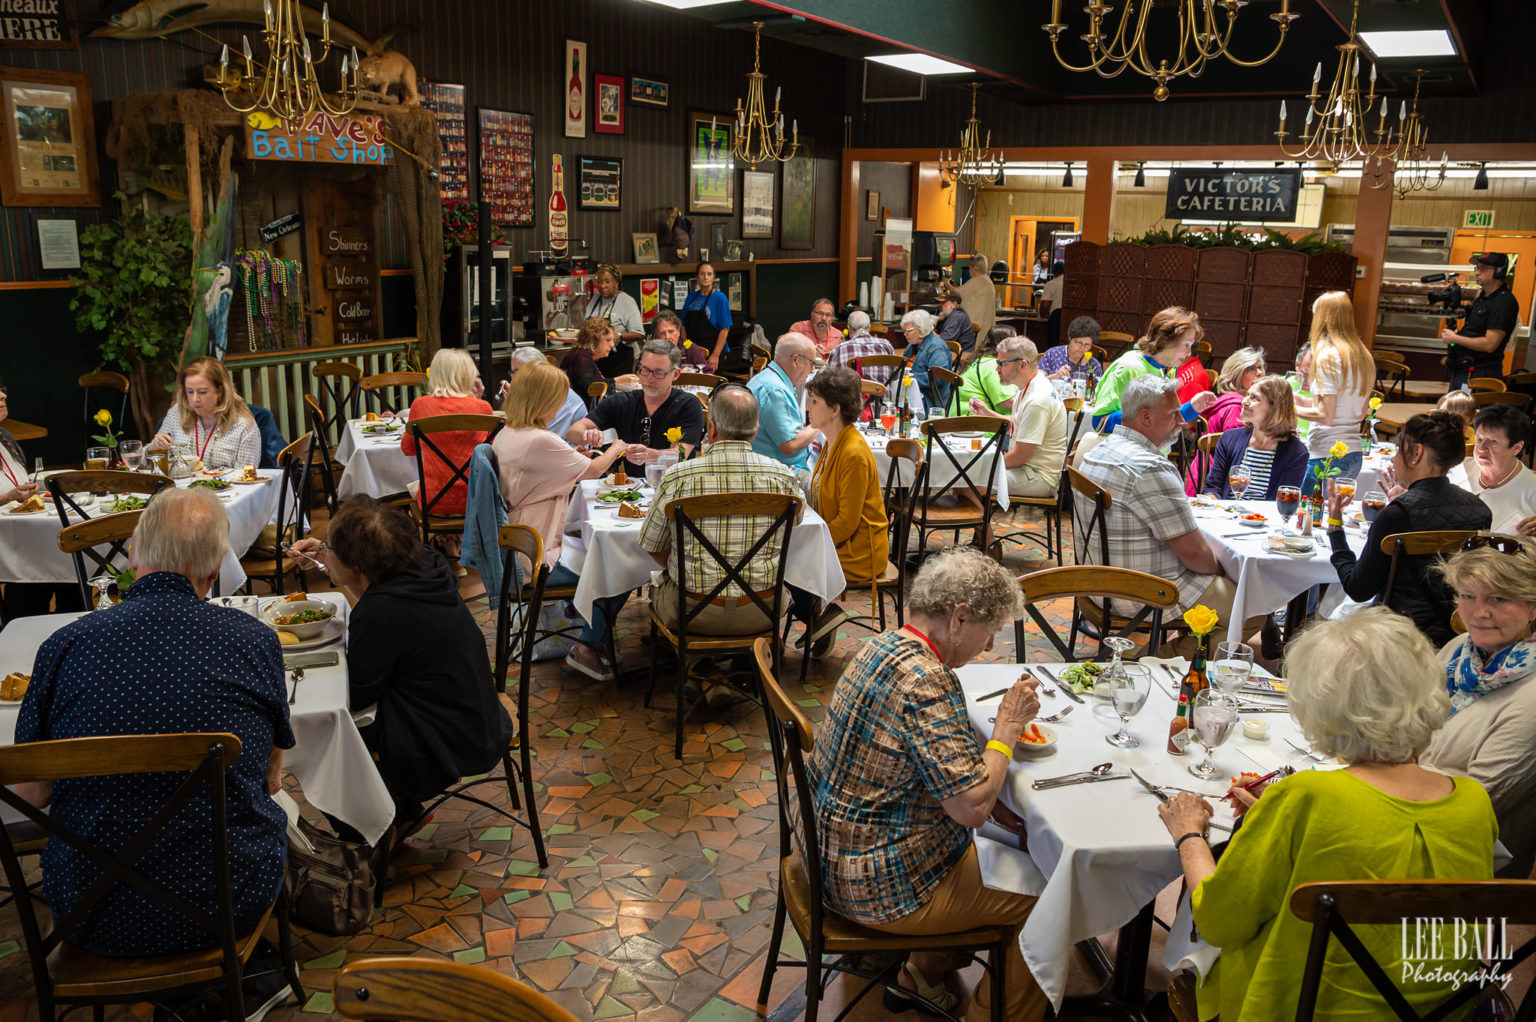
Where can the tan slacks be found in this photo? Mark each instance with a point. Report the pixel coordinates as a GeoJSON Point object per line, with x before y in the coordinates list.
{"type": "Point", "coordinates": [1218, 596]}
{"type": "Point", "coordinates": [962, 902]}
{"type": "Point", "coordinates": [714, 619]}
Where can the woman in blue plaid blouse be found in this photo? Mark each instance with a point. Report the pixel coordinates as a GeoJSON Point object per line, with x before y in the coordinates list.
{"type": "Point", "coordinates": [901, 779]}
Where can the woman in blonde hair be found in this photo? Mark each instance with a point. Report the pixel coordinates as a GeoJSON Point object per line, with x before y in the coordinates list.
{"type": "Point", "coordinates": [210, 418]}
{"type": "Point", "coordinates": [1238, 373]}
{"type": "Point", "coordinates": [1342, 374]}
{"type": "Point", "coordinates": [538, 471]}
{"type": "Point", "coordinates": [456, 390]}
{"type": "Point", "coordinates": [1169, 339]}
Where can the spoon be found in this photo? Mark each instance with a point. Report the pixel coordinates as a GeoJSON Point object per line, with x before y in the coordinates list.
{"type": "Point", "coordinates": [298, 675]}
{"type": "Point", "coordinates": [1081, 777]}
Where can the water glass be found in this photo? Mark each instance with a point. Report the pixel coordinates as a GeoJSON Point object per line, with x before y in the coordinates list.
{"type": "Point", "coordinates": [97, 459]}
{"type": "Point", "coordinates": [37, 471]}
{"type": "Point", "coordinates": [1128, 691]}
{"type": "Point", "coordinates": [132, 453]}
{"type": "Point", "coordinates": [1215, 715]}
{"type": "Point", "coordinates": [1238, 479]}
{"type": "Point", "coordinates": [103, 582]}
{"type": "Point", "coordinates": [654, 470]}
{"type": "Point", "coordinates": [1231, 667]}
{"type": "Point", "coordinates": [1372, 503]}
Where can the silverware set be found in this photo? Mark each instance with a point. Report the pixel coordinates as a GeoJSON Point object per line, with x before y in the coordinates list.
{"type": "Point", "coordinates": [1053, 718]}
{"type": "Point", "coordinates": [1306, 751]}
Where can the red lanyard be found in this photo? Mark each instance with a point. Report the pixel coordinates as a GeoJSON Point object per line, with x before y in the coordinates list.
{"type": "Point", "coordinates": [6, 468]}
{"type": "Point", "coordinates": [204, 448]}
{"type": "Point", "coordinates": [929, 642]}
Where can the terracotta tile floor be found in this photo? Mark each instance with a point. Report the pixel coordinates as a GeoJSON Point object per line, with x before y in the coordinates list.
{"type": "Point", "coordinates": [658, 899]}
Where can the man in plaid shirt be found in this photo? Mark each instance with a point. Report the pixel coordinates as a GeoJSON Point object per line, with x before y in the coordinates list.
{"type": "Point", "coordinates": [727, 465]}
{"type": "Point", "coordinates": [861, 343]}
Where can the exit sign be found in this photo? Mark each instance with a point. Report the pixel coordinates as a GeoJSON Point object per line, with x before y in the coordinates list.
{"type": "Point", "coordinates": [1474, 218]}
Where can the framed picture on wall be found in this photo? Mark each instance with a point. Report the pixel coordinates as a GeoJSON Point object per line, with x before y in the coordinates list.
{"type": "Point", "coordinates": [609, 90]}
{"type": "Point", "coordinates": [711, 167]}
{"type": "Point", "coordinates": [756, 204]}
{"type": "Point", "coordinates": [649, 90]}
{"type": "Point", "coordinates": [797, 227]}
{"type": "Point", "coordinates": [50, 139]}
{"type": "Point", "coordinates": [645, 248]}
{"type": "Point", "coordinates": [573, 84]}
{"type": "Point", "coordinates": [733, 250]}
{"type": "Point", "coordinates": [717, 240]}
{"type": "Point", "coordinates": [872, 205]}
{"type": "Point", "coordinates": [598, 182]}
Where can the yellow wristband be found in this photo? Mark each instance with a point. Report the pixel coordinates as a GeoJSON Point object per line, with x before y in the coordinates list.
{"type": "Point", "coordinates": [1335, 522]}
{"type": "Point", "coordinates": [1000, 747]}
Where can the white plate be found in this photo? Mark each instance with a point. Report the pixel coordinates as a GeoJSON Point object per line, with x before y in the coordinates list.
{"type": "Point", "coordinates": [1252, 525]}
{"type": "Point", "coordinates": [1023, 747]}
{"type": "Point", "coordinates": [329, 632]}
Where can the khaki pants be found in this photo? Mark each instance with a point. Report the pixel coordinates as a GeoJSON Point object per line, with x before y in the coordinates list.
{"type": "Point", "coordinates": [1028, 481]}
{"type": "Point", "coordinates": [1218, 596]}
{"type": "Point", "coordinates": [962, 902]}
{"type": "Point", "coordinates": [713, 619]}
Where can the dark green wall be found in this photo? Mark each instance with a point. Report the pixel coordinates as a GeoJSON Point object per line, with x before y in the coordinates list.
{"type": "Point", "coordinates": [41, 357]}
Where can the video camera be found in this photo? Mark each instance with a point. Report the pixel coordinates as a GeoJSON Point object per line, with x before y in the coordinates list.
{"type": "Point", "coordinates": [1450, 298]}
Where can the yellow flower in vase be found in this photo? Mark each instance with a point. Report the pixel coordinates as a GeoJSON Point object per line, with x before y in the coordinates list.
{"type": "Point", "coordinates": [1201, 619]}
{"type": "Point", "coordinates": [1375, 403]}
{"type": "Point", "coordinates": [675, 437]}
{"type": "Point", "coordinates": [103, 418]}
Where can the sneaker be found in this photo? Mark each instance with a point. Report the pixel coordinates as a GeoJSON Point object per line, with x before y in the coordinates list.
{"type": "Point", "coordinates": [264, 986]}
{"type": "Point", "coordinates": [597, 672]}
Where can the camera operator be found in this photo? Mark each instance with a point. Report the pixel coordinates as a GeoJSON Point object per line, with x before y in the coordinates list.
{"type": "Point", "coordinates": [1477, 349]}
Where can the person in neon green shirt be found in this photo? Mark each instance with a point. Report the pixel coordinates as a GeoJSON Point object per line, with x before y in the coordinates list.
{"type": "Point", "coordinates": [1170, 338]}
{"type": "Point", "coordinates": [980, 380]}
{"type": "Point", "coordinates": [1299, 381]}
{"type": "Point", "coordinates": [1365, 689]}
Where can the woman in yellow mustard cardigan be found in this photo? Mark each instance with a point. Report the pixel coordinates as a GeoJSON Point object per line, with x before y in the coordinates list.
{"type": "Point", "coordinates": [845, 490]}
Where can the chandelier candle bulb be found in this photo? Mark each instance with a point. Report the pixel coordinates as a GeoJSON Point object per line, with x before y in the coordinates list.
{"type": "Point", "coordinates": [1317, 75]}
{"type": "Point", "coordinates": [224, 58]}
{"type": "Point", "coordinates": [325, 24]}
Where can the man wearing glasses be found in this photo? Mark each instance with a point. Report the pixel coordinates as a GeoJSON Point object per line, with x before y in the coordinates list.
{"type": "Point", "coordinates": [1037, 425]}
{"type": "Point", "coordinates": [782, 433]}
{"type": "Point", "coordinates": [642, 417]}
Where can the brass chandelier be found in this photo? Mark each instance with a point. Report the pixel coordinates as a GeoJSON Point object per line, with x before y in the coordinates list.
{"type": "Point", "coordinates": [759, 135]}
{"type": "Point", "coordinates": [975, 163]}
{"type": "Point", "coordinates": [285, 84]}
{"type": "Point", "coordinates": [1412, 170]}
{"type": "Point", "coordinates": [1335, 130]}
{"type": "Point", "coordinates": [1200, 39]}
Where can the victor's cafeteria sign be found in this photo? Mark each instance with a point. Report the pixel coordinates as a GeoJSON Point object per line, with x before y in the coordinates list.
{"type": "Point", "coordinates": [1216, 193]}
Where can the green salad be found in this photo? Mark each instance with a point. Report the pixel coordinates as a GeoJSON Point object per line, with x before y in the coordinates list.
{"type": "Point", "coordinates": [129, 504]}
{"type": "Point", "coordinates": [619, 496]}
{"type": "Point", "coordinates": [213, 484]}
{"type": "Point", "coordinates": [1080, 677]}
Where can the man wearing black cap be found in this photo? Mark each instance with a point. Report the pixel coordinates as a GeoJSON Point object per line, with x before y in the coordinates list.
{"type": "Point", "coordinates": [954, 324]}
{"type": "Point", "coordinates": [1478, 348]}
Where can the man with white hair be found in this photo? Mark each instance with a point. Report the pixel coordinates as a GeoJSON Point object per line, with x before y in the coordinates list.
{"type": "Point", "coordinates": [859, 345]}
{"type": "Point", "coordinates": [1038, 423]}
{"type": "Point", "coordinates": [165, 662]}
{"type": "Point", "coordinates": [819, 327]}
{"type": "Point", "coordinates": [1149, 526]}
{"type": "Point", "coordinates": [782, 433]}
{"type": "Point", "coordinates": [574, 407]}
{"type": "Point", "coordinates": [978, 296]}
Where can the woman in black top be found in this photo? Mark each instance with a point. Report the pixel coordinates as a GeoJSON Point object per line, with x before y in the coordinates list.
{"type": "Point", "coordinates": [415, 651]}
{"type": "Point", "coordinates": [593, 341]}
{"type": "Point", "coordinates": [1423, 500]}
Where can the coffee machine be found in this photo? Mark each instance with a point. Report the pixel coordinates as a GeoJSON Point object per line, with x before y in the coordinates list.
{"type": "Point", "coordinates": [555, 293]}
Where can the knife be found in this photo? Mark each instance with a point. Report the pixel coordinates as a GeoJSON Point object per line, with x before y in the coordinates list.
{"type": "Point", "coordinates": [1063, 686]}
{"type": "Point", "coordinates": [1164, 799]}
{"type": "Point", "coordinates": [1046, 785]}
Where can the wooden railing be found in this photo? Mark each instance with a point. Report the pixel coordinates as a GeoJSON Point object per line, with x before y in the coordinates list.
{"type": "Point", "coordinates": [278, 380]}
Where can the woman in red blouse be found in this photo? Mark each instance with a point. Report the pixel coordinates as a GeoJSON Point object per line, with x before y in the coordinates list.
{"type": "Point", "coordinates": [456, 390]}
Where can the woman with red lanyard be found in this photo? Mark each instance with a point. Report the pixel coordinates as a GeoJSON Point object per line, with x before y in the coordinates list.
{"type": "Point", "coordinates": [210, 418]}
{"type": "Point", "coordinates": [707, 317]}
{"type": "Point", "coordinates": [26, 599]}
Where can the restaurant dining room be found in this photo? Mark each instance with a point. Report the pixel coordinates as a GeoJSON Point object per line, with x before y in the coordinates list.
{"type": "Point", "coordinates": [687, 511]}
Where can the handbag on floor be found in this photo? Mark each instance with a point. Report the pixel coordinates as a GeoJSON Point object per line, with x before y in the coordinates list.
{"type": "Point", "coordinates": [331, 882]}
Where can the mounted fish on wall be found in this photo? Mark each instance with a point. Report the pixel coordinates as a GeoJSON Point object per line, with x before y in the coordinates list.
{"type": "Point", "coordinates": [156, 19]}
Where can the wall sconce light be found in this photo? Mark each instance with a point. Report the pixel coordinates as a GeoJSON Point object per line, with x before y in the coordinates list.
{"type": "Point", "coordinates": [1480, 183]}
{"type": "Point", "coordinates": [1066, 180]}
{"type": "Point", "coordinates": [1141, 175]}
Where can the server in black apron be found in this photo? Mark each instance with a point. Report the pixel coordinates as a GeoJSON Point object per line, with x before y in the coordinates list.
{"type": "Point", "coordinates": [619, 309]}
{"type": "Point", "coordinates": [707, 317]}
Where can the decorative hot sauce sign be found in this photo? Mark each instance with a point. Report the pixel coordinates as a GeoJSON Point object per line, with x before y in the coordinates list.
{"type": "Point", "coordinates": [318, 138]}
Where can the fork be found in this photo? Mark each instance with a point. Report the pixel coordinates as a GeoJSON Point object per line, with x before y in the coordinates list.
{"type": "Point", "coordinates": [1053, 718]}
{"type": "Point", "coordinates": [288, 548]}
{"type": "Point", "coordinates": [1314, 756]}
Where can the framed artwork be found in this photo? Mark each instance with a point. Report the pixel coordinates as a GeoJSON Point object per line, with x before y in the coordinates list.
{"type": "Point", "coordinates": [645, 248]}
{"type": "Point", "coordinates": [447, 105]}
{"type": "Point", "coordinates": [58, 246]}
{"type": "Point", "coordinates": [649, 90]}
{"type": "Point", "coordinates": [608, 118]}
{"type": "Point", "coordinates": [598, 180]}
{"type": "Point", "coordinates": [50, 139]}
{"type": "Point", "coordinates": [506, 165]}
{"type": "Point", "coordinates": [717, 240]}
{"type": "Point", "coordinates": [733, 290]}
{"type": "Point", "coordinates": [573, 86]}
{"type": "Point", "coordinates": [47, 26]}
{"type": "Point", "coordinates": [711, 167]}
{"type": "Point", "coordinates": [733, 250]}
{"type": "Point", "coordinates": [872, 205]}
{"type": "Point", "coordinates": [797, 228]}
{"type": "Point", "coordinates": [756, 204]}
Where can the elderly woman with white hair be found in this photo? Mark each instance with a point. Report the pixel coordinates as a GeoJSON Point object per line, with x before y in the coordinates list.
{"type": "Point", "coordinates": [901, 780]}
{"type": "Point", "coordinates": [456, 390]}
{"type": "Point", "coordinates": [925, 351]}
{"type": "Point", "coordinates": [1366, 690]}
{"type": "Point", "coordinates": [571, 409]}
{"type": "Point", "coordinates": [859, 345]}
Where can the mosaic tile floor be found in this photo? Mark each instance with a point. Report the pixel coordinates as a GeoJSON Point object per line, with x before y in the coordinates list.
{"type": "Point", "coordinates": [658, 898]}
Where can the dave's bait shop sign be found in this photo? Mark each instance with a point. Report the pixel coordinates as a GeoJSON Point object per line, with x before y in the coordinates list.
{"type": "Point", "coordinates": [1215, 193]}
{"type": "Point", "coordinates": [318, 138]}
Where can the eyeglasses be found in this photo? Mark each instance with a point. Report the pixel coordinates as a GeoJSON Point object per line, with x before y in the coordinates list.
{"type": "Point", "coordinates": [655, 374]}
{"type": "Point", "coordinates": [645, 430]}
{"type": "Point", "coordinates": [1008, 361]}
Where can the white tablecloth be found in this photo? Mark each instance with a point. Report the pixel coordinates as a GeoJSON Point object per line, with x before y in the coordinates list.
{"type": "Point", "coordinates": [944, 470]}
{"type": "Point", "coordinates": [1266, 580]}
{"type": "Point", "coordinates": [607, 555]}
{"type": "Point", "coordinates": [330, 761]}
{"type": "Point", "coordinates": [1101, 847]}
{"type": "Point", "coordinates": [374, 464]}
{"type": "Point", "coordinates": [29, 544]}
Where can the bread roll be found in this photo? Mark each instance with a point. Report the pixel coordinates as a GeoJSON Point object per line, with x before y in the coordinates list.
{"type": "Point", "coordinates": [287, 638]}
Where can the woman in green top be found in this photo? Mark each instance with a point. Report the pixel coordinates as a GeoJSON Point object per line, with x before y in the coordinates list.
{"type": "Point", "coordinates": [1300, 379]}
{"type": "Point", "coordinates": [1167, 344]}
{"type": "Point", "coordinates": [1366, 690]}
{"type": "Point", "coordinates": [979, 381]}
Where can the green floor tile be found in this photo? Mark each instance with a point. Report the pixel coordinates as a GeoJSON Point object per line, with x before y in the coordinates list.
{"type": "Point", "coordinates": [692, 789]}
{"type": "Point", "coordinates": [582, 860]}
{"type": "Point", "coordinates": [425, 833]}
{"type": "Point", "coordinates": [744, 902]}
{"type": "Point", "coordinates": [811, 686]}
{"type": "Point", "coordinates": [721, 1010]}
{"type": "Point", "coordinates": [556, 829]}
{"type": "Point", "coordinates": [559, 901]}
{"type": "Point", "coordinates": [739, 804]}
{"type": "Point", "coordinates": [734, 745]}
{"type": "Point", "coordinates": [645, 815]}
{"type": "Point", "coordinates": [461, 891]}
{"type": "Point", "coordinates": [495, 834]}
{"type": "Point", "coordinates": [470, 956]}
{"type": "Point", "coordinates": [320, 1003]}
{"type": "Point", "coordinates": [610, 1008]}
{"type": "Point", "coordinates": [9, 947]}
{"type": "Point", "coordinates": [330, 961]}
{"type": "Point", "coordinates": [558, 732]}
{"type": "Point", "coordinates": [522, 868]}
{"type": "Point", "coordinates": [806, 703]}
{"type": "Point", "coordinates": [581, 727]}
{"type": "Point", "coordinates": [596, 779]}
{"type": "Point", "coordinates": [433, 855]}
{"type": "Point", "coordinates": [561, 950]}
{"type": "Point", "coordinates": [711, 855]}
{"type": "Point", "coordinates": [769, 775]}
{"type": "Point", "coordinates": [513, 897]}
{"type": "Point", "coordinates": [593, 743]}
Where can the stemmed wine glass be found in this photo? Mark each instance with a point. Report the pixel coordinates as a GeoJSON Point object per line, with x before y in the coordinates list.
{"type": "Point", "coordinates": [1128, 691]}
{"type": "Point", "coordinates": [1287, 498]}
{"type": "Point", "coordinates": [132, 453]}
{"type": "Point", "coordinates": [1215, 715]}
{"type": "Point", "coordinates": [1121, 646]}
{"type": "Point", "coordinates": [103, 582]}
{"type": "Point", "coordinates": [1232, 666]}
{"type": "Point", "coordinates": [1238, 479]}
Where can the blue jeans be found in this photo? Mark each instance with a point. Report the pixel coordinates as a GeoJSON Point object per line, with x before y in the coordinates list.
{"type": "Point", "coordinates": [1348, 466]}
{"type": "Point", "coordinates": [603, 610]}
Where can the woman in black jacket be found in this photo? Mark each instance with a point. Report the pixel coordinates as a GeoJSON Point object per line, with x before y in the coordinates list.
{"type": "Point", "coordinates": [415, 651]}
{"type": "Point", "coordinates": [1423, 500]}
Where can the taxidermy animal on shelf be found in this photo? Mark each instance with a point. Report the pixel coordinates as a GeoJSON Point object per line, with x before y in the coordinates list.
{"type": "Point", "coordinates": [390, 77]}
{"type": "Point", "coordinates": [156, 19]}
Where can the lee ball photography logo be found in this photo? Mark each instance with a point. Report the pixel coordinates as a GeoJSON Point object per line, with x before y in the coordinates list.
{"type": "Point", "coordinates": [1436, 949]}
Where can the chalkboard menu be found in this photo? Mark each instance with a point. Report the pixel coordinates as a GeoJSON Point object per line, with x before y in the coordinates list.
{"type": "Point", "coordinates": [38, 24]}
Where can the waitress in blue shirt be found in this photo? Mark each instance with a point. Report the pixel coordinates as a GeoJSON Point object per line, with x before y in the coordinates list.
{"type": "Point", "coordinates": [707, 317]}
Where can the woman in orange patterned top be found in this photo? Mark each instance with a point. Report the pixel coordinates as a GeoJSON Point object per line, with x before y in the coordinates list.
{"type": "Point", "coordinates": [456, 390]}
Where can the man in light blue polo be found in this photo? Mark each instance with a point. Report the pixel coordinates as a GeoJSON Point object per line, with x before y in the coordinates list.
{"type": "Point", "coordinates": [782, 433]}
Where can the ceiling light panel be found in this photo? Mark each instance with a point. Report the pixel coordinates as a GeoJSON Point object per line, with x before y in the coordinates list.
{"type": "Point", "coordinates": [1401, 45]}
{"type": "Point", "coordinates": [920, 64]}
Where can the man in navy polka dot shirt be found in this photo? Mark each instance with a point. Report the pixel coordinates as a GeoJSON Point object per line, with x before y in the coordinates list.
{"type": "Point", "coordinates": [164, 661]}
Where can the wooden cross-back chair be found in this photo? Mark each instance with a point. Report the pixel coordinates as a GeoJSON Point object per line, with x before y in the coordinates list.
{"type": "Point", "coordinates": [1090, 514]}
{"type": "Point", "coordinates": [978, 472]}
{"type": "Point", "coordinates": [422, 431]}
{"type": "Point", "coordinates": [82, 539]}
{"type": "Point", "coordinates": [689, 516]}
{"type": "Point", "coordinates": [1056, 506]}
{"type": "Point", "coordinates": [1114, 343]}
{"type": "Point", "coordinates": [1486, 385]}
{"type": "Point", "coordinates": [1156, 596]}
{"type": "Point", "coordinates": [391, 387]}
{"type": "Point", "coordinates": [320, 452]}
{"type": "Point", "coordinates": [951, 380]}
{"type": "Point", "coordinates": [340, 384]}
{"type": "Point", "coordinates": [802, 894]}
{"type": "Point", "coordinates": [273, 566]}
{"type": "Point", "coordinates": [596, 391]}
{"type": "Point", "coordinates": [1483, 398]}
{"type": "Point", "coordinates": [423, 990]}
{"type": "Point", "coordinates": [64, 974]}
{"type": "Point", "coordinates": [104, 379]}
{"type": "Point", "coordinates": [1391, 373]}
{"type": "Point", "coordinates": [710, 380]}
{"type": "Point", "coordinates": [65, 487]}
{"type": "Point", "coordinates": [1335, 908]}
{"type": "Point", "coordinates": [1205, 454]}
{"type": "Point", "coordinates": [1419, 544]}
